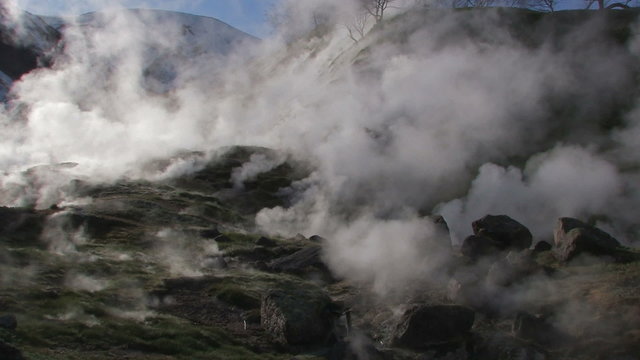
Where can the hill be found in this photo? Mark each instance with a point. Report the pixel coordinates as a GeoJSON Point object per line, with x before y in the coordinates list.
{"type": "Point", "coordinates": [452, 185]}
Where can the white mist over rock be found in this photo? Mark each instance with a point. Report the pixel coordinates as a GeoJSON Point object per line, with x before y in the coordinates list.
{"type": "Point", "coordinates": [421, 114]}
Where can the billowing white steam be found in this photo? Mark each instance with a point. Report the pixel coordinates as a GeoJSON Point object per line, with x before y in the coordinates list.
{"type": "Point", "coordinates": [392, 127]}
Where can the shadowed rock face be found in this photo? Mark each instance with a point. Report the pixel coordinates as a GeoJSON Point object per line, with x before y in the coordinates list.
{"type": "Point", "coordinates": [297, 317]}
{"type": "Point", "coordinates": [573, 237]}
{"type": "Point", "coordinates": [423, 326]}
{"type": "Point", "coordinates": [8, 352]}
{"type": "Point", "coordinates": [505, 231]}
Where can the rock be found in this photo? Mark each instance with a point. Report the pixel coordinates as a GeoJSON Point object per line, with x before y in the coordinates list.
{"type": "Point", "coordinates": [542, 246]}
{"type": "Point", "coordinates": [8, 352]}
{"type": "Point", "coordinates": [299, 262]}
{"type": "Point", "coordinates": [215, 262]}
{"type": "Point", "coordinates": [474, 247]}
{"type": "Point", "coordinates": [442, 231]}
{"type": "Point", "coordinates": [573, 237]}
{"type": "Point", "coordinates": [440, 222]}
{"type": "Point", "coordinates": [297, 316]}
{"type": "Point", "coordinates": [512, 268]}
{"type": "Point", "coordinates": [298, 238]}
{"type": "Point", "coordinates": [210, 233]}
{"type": "Point", "coordinates": [266, 242]}
{"type": "Point", "coordinates": [504, 347]}
{"type": "Point", "coordinates": [536, 329]}
{"type": "Point", "coordinates": [427, 325]}
{"type": "Point", "coordinates": [505, 231]}
{"type": "Point", "coordinates": [8, 322]}
{"type": "Point", "coordinates": [317, 239]}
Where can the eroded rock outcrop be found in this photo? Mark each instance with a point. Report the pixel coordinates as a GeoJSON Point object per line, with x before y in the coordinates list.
{"type": "Point", "coordinates": [573, 237]}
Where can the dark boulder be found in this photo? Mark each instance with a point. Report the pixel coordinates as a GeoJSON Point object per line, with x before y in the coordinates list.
{"type": "Point", "coordinates": [317, 239]}
{"type": "Point", "coordinates": [266, 242]}
{"type": "Point", "coordinates": [423, 326]}
{"type": "Point", "coordinates": [8, 352]}
{"type": "Point", "coordinates": [512, 268]}
{"type": "Point", "coordinates": [8, 322]}
{"type": "Point", "coordinates": [300, 262]}
{"type": "Point", "coordinates": [542, 246]}
{"type": "Point", "coordinates": [573, 237]}
{"type": "Point", "coordinates": [505, 231]}
{"type": "Point", "coordinates": [297, 316]}
{"type": "Point", "coordinates": [537, 329]}
{"type": "Point", "coordinates": [475, 247]}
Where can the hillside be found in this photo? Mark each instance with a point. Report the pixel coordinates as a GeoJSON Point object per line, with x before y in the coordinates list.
{"type": "Point", "coordinates": [453, 185]}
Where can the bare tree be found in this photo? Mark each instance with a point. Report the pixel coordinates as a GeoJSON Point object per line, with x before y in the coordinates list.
{"type": "Point", "coordinates": [376, 8]}
{"type": "Point", "coordinates": [604, 4]}
{"type": "Point", "coordinates": [358, 27]}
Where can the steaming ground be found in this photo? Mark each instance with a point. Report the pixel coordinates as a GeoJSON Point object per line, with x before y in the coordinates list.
{"type": "Point", "coordinates": [423, 115]}
{"type": "Point", "coordinates": [460, 113]}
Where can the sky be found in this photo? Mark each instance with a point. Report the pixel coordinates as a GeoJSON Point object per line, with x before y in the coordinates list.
{"type": "Point", "coordinates": [247, 15]}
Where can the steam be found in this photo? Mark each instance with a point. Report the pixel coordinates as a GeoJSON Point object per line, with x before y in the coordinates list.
{"type": "Point", "coordinates": [441, 120]}
{"type": "Point", "coordinates": [258, 164]}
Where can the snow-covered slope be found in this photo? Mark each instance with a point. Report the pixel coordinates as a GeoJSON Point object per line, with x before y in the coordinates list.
{"type": "Point", "coordinates": [170, 44]}
{"type": "Point", "coordinates": [195, 34]}
{"type": "Point", "coordinates": [24, 43]}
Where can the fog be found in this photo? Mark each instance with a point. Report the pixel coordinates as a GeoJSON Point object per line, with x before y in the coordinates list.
{"type": "Point", "coordinates": [440, 120]}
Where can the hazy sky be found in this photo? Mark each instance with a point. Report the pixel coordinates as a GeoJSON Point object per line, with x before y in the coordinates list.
{"type": "Point", "coordinates": [246, 15]}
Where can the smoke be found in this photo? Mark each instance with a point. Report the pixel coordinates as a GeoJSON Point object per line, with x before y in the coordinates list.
{"type": "Point", "coordinates": [436, 111]}
{"type": "Point", "coordinates": [566, 181]}
{"type": "Point", "coordinates": [258, 164]}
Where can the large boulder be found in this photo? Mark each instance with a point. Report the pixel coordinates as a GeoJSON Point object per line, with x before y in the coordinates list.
{"type": "Point", "coordinates": [475, 247]}
{"type": "Point", "coordinates": [8, 352]}
{"type": "Point", "coordinates": [8, 322]}
{"type": "Point", "coordinates": [505, 231]}
{"type": "Point", "coordinates": [297, 317]}
{"type": "Point", "coordinates": [573, 237]}
{"type": "Point", "coordinates": [423, 326]}
{"type": "Point", "coordinates": [513, 268]}
{"type": "Point", "coordinates": [537, 329]}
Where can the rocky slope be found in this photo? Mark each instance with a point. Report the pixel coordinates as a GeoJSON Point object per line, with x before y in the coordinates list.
{"type": "Point", "coordinates": [167, 270]}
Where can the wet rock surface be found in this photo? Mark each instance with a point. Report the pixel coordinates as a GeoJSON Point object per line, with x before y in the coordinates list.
{"type": "Point", "coordinates": [422, 326]}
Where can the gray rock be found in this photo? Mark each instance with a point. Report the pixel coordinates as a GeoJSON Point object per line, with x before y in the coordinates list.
{"type": "Point", "coordinates": [475, 247]}
{"type": "Point", "coordinates": [505, 231]}
{"type": "Point", "coordinates": [317, 239]}
{"type": "Point", "coordinates": [8, 322]}
{"type": "Point", "coordinates": [512, 268]}
{"type": "Point", "coordinates": [297, 316]}
{"type": "Point", "coordinates": [573, 237]}
{"type": "Point", "coordinates": [428, 325]}
{"type": "Point", "coordinates": [266, 242]}
{"type": "Point", "coordinates": [537, 329]}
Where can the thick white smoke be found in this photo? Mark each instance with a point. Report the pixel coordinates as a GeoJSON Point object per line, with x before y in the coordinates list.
{"type": "Point", "coordinates": [416, 114]}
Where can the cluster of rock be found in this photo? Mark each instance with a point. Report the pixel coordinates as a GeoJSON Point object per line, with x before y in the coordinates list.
{"type": "Point", "coordinates": [8, 352]}
{"type": "Point", "coordinates": [497, 256]}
